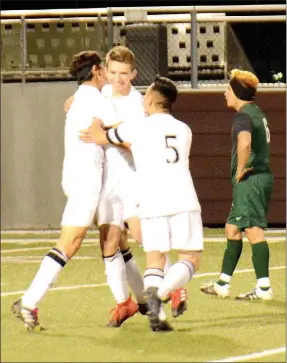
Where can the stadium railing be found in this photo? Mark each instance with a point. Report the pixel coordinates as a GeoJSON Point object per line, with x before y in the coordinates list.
{"type": "Point", "coordinates": [195, 46]}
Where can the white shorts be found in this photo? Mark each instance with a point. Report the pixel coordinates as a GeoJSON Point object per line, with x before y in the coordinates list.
{"type": "Point", "coordinates": [130, 194]}
{"type": "Point", "coordinates": [110, 209]}
{"type": "Point", "coordinates": [82, 188]}
{"type": "Point", "coordinates": [81, 208]}
{"type": "Point", "coordinates": [182, 231]}
{"type": "Point", "coordinates": [118, 200]}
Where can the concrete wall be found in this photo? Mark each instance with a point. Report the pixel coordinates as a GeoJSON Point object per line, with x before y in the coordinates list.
{"type": "Point", "coordinates": [32, 125]}
{"type": "Point", "coordinates": [210, 121]}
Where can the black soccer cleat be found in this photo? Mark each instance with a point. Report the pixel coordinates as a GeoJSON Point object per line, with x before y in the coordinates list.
{"type": "Point", "coordinates": [143, 308]}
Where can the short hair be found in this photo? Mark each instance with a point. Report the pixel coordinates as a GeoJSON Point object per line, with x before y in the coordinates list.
{"type": "Point", "coordinates": [166, 88]}
{"type": "Point", "coordinates": [246, 78]}
{"type": "Point", "coordinates": [84, 59]}
{"type": "Point", "coordinates": [121, 54]}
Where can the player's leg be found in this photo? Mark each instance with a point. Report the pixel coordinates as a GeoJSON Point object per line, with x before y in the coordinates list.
{"type": "Point", "coordinates": [133, 274]}
{"type": "Point", "coordinates": [110, 223]}
{"type": "Point", "coordinates": [155, 248]}
{"type": "Point", "coordinates": [134, 226]}
{"type": "Point", "coordinates": [258, 207]}
{"type": "Point", "coordinates": [234, 245]}
{"type": "Point", "coordinates": [187, 237]}
{"type": "Point", "coordinates": [77, 218]}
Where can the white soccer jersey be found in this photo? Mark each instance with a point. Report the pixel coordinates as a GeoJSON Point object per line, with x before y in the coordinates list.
{"type": "Point", "coordinates": [128, 109]}
{"type": "Point", "coordinates": [160, 146]}
{"type": "Point", "coordinates": [88, 103]}
{"type": "Point", "coordinates": [119, 197]}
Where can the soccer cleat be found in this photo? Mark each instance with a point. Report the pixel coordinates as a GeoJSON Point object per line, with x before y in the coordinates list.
{"type": "Point", "coordinates": [154, 304]}
{"type": "Point", "coordinates": [178, 300]}
{"type": "Point", "coordinates": [122, 312]}
{"type": "Point", "coordinates": [28, 316]}
{"type": "Point", "coordinates": [143, 308]}
{"type": "Point", "coordinates": [256, 294]}
{"type": "Point", "coordinates": [163, 325]}
{"type": "Point", "coordinates": [212, 288]}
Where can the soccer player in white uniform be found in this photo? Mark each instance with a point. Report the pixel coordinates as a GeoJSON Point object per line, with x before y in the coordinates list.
{"type": "Point", "coordinates": [118, 202]}
{"type": "Point", "coordinates": [81, 181]}
{"type": "Point", "coordinates": [168, 205]}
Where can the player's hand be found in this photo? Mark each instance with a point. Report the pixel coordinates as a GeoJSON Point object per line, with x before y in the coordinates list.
{"type": "Point", "coordinates": [241, 173]}
{"type": "Point", "coordinates": [86, 135]}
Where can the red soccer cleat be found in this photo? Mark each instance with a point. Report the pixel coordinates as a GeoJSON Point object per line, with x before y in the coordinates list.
{"type": "Point", "coordinates": [122, 312]}
{"type": "Point", "coordinates": [178, 300]}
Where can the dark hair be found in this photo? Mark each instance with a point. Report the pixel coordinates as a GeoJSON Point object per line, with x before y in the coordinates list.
{"type": "Point", "coordinates": [166, 88]}
{"type": "Point", "coordinates": [83, 63]}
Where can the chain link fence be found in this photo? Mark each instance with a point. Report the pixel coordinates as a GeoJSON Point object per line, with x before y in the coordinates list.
{"type": "Point", "coordinates": [42, 48]}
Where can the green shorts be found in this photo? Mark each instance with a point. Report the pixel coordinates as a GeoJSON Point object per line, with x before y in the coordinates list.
{"type": "Point", "coordinates": [250, 201]}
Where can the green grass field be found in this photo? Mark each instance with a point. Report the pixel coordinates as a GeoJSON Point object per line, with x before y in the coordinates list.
{"type": "Point", "coordinates": [211, 330]}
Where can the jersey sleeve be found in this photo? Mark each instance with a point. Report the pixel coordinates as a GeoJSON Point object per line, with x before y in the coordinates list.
{"type": "Point", "coordinates": [242, 122]}
{"type": "Point", "coordinates": [125, 132]}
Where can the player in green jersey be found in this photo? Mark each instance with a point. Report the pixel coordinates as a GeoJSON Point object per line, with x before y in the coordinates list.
{"type": "Point", "coordinates": [252, 185]}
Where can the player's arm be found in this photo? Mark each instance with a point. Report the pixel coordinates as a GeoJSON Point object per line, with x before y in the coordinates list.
{"type": "Point", "coordinates": [68, 103]}
{"type": "Point", "coordinates": [97, 134]}
{"type": "Point", "coordinates": [243, 129]}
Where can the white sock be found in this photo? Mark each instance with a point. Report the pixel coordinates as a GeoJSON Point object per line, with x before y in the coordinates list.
{"type": "Point", "coordinates": [47, 274]}
{"type": "Point", "coordinates": [177, 276]}
{"type": "Point", "coordinates": [263, 282]}
{"type": "Point", "coordinates": [167, 265]}
{"type": "Point", "coordinates": [225, 278]}
{"type": "Point", "coordinates": [153, 277]}
{"type": "Point", "coordinates": [133, 276]}
{"type": "Point", "coordinates": [116, 277]}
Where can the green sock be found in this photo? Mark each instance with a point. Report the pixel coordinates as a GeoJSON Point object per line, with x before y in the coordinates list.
{"type": "Point", "coordinates": [230, 259]}
{"type": "Point", "coordinates": [260, 259]}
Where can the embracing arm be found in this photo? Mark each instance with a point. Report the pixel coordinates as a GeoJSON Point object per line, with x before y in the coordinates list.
{"type": "Point", "coordinates": [97, 134]}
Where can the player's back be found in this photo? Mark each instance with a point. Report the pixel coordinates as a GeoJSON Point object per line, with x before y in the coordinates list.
{"type": "Point", "coordinates": [161, 150]}
{"type": "Point", "coordinates": [87, 103]}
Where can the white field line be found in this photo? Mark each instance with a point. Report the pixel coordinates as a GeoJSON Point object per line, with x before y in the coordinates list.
{"type": "Point", "coordinates": [38, 248]}
{"type": "Point", "coordinates": [73, 287]}
{"type": "Point", "coordinates": [51, 240]}
{"type": "Point", "coordinates": [241, 358]}
{"type": "Point", "coordinates": [130, 240]}
{"type": "Point", "coordinates": [57, 231]}
{"type": "Point", "coordinates": [38, 259]}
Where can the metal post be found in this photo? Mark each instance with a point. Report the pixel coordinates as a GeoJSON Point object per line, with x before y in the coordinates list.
{"type": "Point", "coordinates": [23, 47]}
{"type": "Point", "coordinates": [193, 49]}
{"type": "Point", "coordinates": [110, 28]}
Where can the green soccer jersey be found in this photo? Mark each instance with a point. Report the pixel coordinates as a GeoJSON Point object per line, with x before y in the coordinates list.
{"type": "Point", "coordinates": [251, 118]}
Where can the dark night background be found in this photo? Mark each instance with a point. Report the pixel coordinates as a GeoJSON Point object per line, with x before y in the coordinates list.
{"type": "Point", "coordinates": [264, 43]}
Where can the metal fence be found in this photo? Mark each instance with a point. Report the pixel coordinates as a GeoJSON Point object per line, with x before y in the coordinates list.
{"type": "Point", "coordinates": [195, 46]}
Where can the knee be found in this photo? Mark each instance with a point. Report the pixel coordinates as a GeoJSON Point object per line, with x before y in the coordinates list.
{"type": "Point", "coordinates": [232, 232]}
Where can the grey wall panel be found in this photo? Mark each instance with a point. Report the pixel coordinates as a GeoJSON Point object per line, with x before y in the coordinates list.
{"type": "Point", "coordinates": [32, 125]}
{"type": "Point", "coordinates": [32, 144]}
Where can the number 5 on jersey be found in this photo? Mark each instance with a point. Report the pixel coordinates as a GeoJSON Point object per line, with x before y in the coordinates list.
{"type": "Point", "coordinates": [168, 141]}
